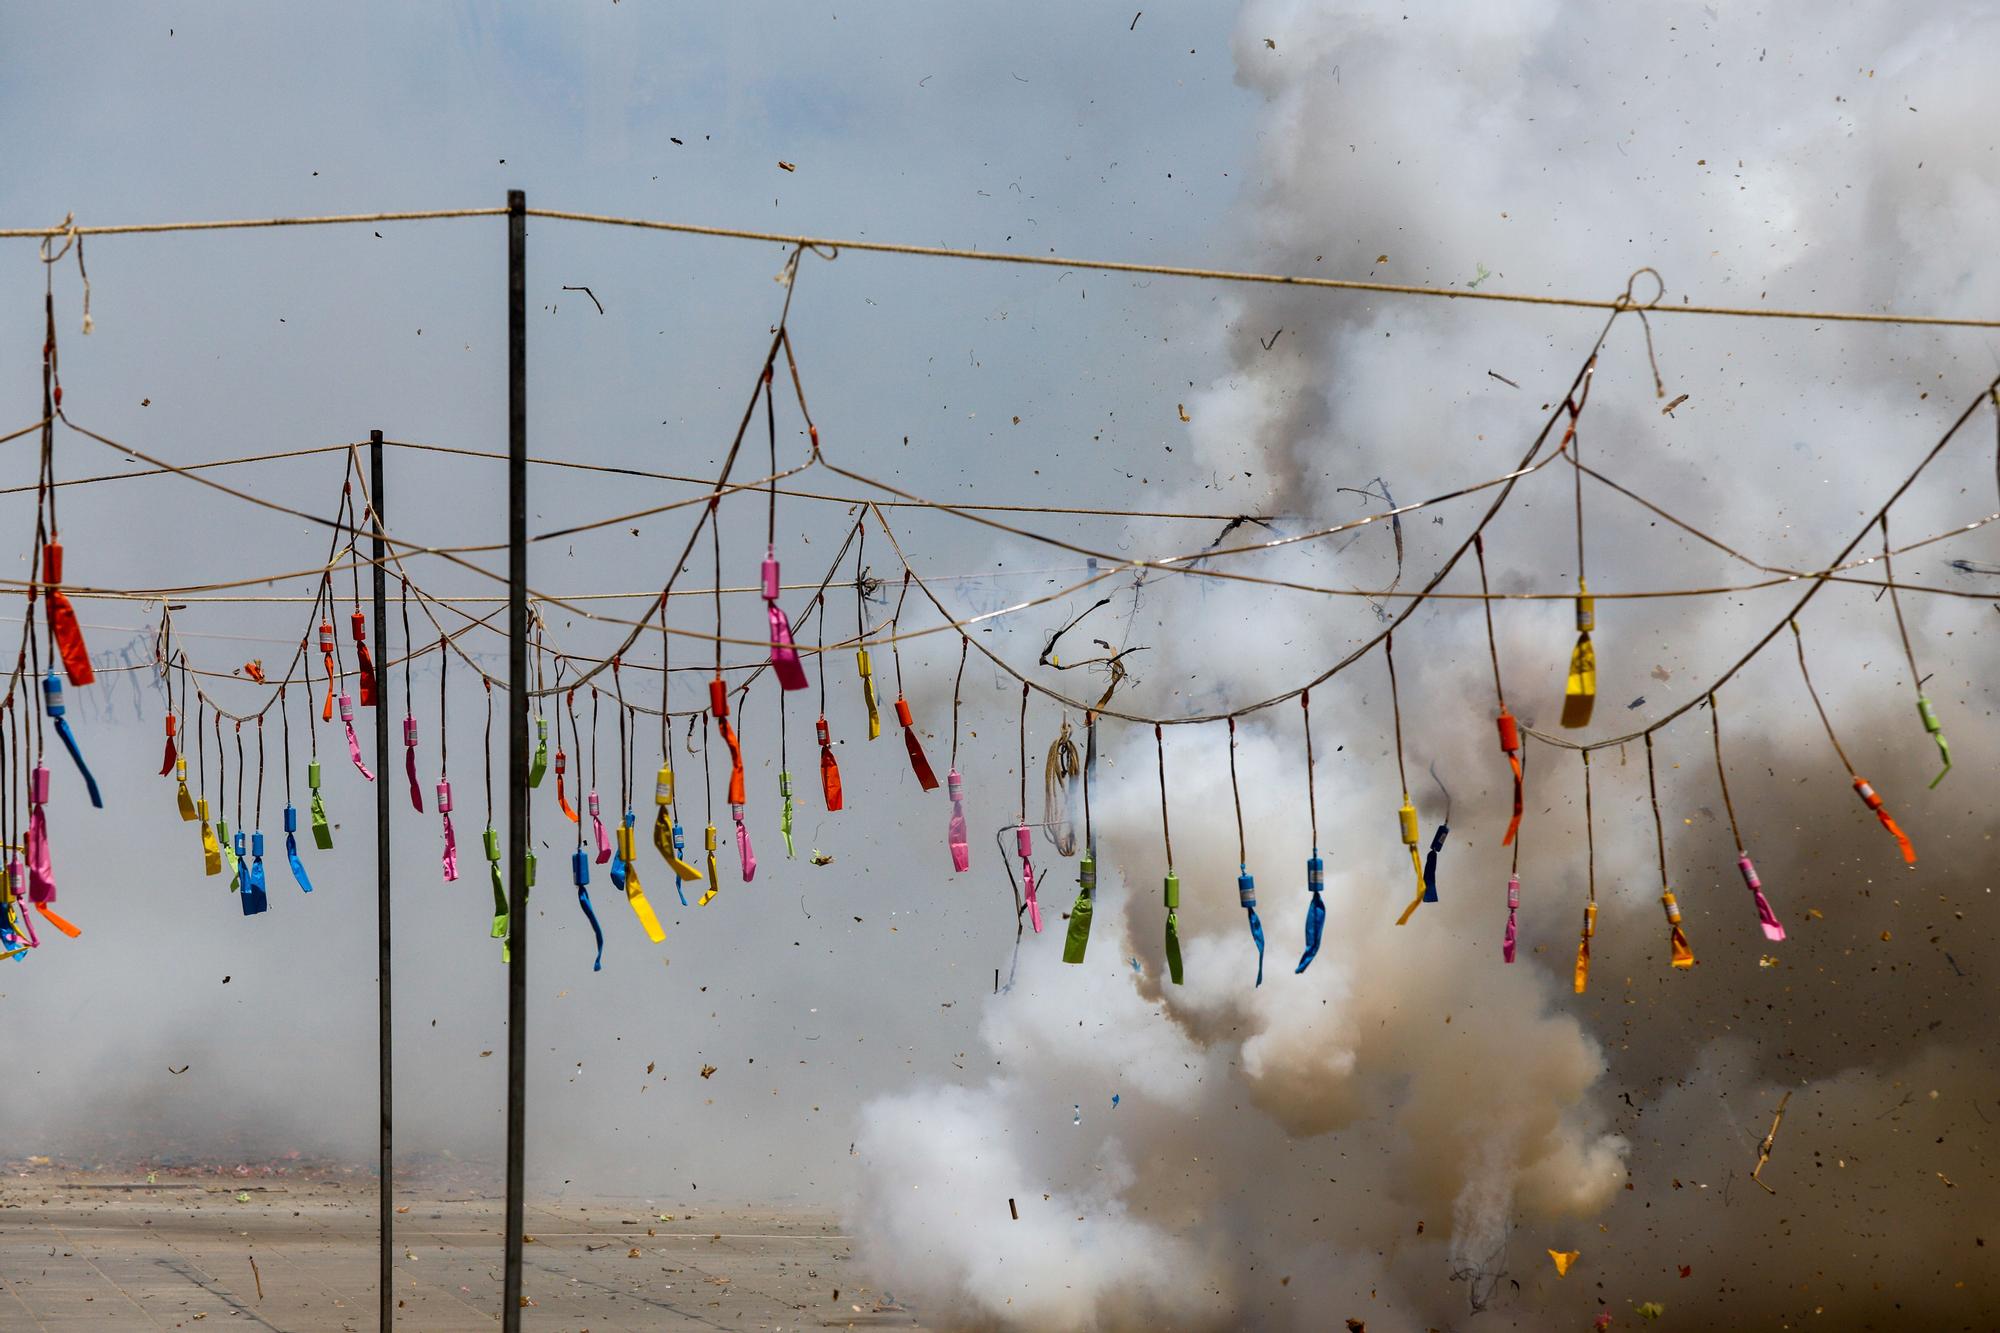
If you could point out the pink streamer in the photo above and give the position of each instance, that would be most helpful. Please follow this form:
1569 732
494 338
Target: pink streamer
744 854
17 875
784 655
353 743
1765 916
450 850
410 763
961 850
597 824
1024 842
1513 904
41 869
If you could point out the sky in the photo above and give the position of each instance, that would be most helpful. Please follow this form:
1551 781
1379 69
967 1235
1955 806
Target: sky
1464 1115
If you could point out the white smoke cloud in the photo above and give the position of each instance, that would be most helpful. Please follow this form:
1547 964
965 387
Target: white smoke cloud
1409 1111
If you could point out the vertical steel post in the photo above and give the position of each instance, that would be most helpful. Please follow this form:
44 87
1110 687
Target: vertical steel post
383 1039
517 745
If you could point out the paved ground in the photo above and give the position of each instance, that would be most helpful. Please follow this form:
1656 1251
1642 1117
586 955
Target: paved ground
92 1252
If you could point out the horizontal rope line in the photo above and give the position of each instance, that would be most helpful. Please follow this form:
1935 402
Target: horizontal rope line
1010 257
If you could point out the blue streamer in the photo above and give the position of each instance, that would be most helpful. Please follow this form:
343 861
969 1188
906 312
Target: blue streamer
292 848
1431 864
580 867
680 843
254 898
1246 893
52 700
1316 913
618 859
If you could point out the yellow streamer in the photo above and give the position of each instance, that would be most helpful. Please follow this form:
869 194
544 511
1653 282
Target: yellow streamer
635 893
868 693
211 853
714 878
1583 947
1407 816
1580 693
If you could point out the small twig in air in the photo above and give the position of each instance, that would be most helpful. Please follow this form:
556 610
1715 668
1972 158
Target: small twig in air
1503 379
592 295
1274 340
1135 22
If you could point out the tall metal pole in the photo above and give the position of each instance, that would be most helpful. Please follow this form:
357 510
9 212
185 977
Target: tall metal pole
388 1168
517 744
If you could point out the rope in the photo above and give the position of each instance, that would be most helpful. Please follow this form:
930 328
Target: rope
829 246
1486 602
1024 754
1589 832
1659 826
1889 574
1235 794
1166 829
1396 708
957 690
1825 721
241 224
1715 727
1312 799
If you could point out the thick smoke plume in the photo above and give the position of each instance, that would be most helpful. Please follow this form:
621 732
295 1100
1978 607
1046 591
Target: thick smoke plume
1398 1134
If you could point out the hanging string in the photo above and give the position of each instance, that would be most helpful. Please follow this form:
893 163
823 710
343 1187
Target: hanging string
576 739
957 693
1315 867
1246 884
1396 710
771 430
667 675
239 778
1078 938
1023 835
1590 870
1722 774
1172 892
1312 799
1024 757
1682 955
1580 689
715 541
489 754
1510 730
1509 938
1925 710
1825 721
862 663
708 793
1862 789
285 720
409 654
257 811
1235 794
444 733
1766 918
1406 815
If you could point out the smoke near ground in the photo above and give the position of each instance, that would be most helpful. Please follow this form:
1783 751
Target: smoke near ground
1399 1134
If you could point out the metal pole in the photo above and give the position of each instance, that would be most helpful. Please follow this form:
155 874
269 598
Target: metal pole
517 744
388 1168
